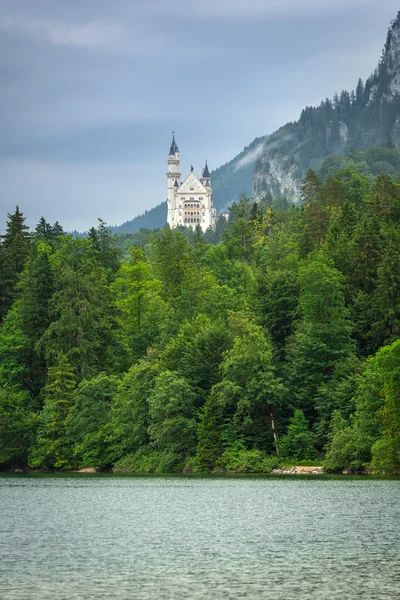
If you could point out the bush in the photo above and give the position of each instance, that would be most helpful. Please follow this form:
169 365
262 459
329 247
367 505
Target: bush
386 456
238 459
147 460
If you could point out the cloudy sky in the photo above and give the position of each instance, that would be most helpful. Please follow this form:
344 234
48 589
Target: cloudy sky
91 90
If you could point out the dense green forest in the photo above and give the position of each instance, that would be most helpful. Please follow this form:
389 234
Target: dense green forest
271 340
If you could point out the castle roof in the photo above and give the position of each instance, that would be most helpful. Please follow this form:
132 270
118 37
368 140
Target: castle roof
193 184
174 146
206 172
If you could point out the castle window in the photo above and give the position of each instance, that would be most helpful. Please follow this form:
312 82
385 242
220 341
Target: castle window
192 189
191 199
201 198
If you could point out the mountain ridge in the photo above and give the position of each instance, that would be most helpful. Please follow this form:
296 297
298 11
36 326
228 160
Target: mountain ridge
363 118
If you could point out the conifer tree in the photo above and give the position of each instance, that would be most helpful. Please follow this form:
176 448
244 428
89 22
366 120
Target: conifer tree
54 447
322 338
14 251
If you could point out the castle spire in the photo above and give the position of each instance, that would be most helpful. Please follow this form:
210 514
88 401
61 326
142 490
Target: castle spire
206 172
174 146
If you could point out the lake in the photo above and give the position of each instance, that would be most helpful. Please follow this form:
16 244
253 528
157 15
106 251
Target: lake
105 536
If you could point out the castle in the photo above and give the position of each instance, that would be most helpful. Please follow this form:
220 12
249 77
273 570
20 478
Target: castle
190 203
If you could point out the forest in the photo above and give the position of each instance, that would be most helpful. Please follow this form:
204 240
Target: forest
272 340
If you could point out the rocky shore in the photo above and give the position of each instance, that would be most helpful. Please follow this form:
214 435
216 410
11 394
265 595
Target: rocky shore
298 471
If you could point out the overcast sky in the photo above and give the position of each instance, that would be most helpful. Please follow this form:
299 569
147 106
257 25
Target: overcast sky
91 90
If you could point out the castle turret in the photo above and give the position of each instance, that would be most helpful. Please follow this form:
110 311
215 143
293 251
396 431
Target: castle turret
205 178
173 176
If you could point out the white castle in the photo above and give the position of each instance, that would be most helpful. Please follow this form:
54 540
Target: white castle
190 203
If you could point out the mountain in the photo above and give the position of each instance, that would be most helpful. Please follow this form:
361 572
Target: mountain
228 182
357 120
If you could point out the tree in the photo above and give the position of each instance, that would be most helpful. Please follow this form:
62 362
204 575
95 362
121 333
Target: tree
196 353
241 234
141 309
14 347
384 196
35 289
18 423
386 450
216 429
310 187
249 366
173 427
105 246
54 447
82 327
130 416
277 298
14 252
171 258
298 443
385 304
322 338
88 420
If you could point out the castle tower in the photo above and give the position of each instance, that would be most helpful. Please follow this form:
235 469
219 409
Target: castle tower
205 178
173 176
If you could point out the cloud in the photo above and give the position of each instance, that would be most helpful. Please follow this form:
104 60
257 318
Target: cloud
91 34
211 10
249 157
259 8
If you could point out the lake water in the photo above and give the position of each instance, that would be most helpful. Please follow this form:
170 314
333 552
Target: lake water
93 537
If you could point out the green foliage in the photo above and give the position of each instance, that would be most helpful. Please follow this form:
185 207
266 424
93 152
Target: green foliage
272 340
14 250
299 441
322 338
171 408
140 307
240 460
148 460
130 417
88 419
18 423
53 447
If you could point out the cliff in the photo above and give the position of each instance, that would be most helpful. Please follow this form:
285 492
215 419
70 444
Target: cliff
365 117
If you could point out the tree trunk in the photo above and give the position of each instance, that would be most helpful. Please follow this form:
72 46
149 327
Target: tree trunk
271 414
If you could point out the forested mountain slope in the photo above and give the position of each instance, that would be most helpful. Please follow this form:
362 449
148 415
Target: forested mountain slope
362 118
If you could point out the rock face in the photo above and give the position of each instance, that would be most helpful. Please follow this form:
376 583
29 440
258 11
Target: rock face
360 119
391 56
298 470
88 470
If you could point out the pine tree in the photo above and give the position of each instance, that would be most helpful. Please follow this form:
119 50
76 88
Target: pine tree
54 447
298 443
14 252
36 289
322 338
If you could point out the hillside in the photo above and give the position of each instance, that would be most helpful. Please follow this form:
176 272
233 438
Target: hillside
279 343
228 182
360 119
